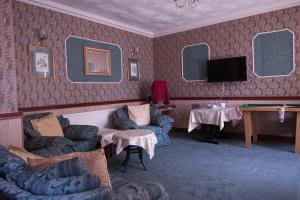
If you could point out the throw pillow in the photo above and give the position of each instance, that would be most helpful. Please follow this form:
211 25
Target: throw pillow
47 126
22 153
139 114
95 161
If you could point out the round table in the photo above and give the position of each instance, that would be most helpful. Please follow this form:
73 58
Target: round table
132 141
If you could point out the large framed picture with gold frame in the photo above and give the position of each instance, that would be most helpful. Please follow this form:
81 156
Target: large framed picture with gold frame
97 62
41 62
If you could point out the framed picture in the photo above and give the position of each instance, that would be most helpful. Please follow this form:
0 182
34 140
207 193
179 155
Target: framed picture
134 71
97 62
41 62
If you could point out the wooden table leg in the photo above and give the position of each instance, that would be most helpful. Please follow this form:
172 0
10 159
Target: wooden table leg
248 128
255 125
297 142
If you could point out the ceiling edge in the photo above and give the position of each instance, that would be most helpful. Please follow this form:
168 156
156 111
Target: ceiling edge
224 19
48 4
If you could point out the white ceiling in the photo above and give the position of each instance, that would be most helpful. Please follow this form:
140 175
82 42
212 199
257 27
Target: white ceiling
160 17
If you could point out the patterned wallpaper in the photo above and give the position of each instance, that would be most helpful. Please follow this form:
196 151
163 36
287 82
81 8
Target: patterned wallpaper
8 87
58 91
228 39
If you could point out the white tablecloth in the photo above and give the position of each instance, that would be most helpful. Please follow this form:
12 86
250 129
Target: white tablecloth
214 116
123 138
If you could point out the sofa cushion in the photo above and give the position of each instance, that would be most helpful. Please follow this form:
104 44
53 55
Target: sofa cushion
124 124
9 162
43 142
22 153
64 122
139 114
28 130
66 177
81 132
95 161
47 126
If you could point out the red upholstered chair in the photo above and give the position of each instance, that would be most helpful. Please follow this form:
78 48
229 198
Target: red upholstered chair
160 96
159 91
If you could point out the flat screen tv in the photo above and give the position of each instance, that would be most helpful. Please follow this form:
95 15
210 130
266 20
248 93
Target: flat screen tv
227 69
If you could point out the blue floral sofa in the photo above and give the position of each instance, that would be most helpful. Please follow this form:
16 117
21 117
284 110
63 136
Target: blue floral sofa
76 138
66 180
160 124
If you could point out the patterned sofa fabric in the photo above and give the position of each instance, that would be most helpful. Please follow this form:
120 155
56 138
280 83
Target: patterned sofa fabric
66 180
77 138
160 124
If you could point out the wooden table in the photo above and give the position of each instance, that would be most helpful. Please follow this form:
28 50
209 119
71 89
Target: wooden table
248 111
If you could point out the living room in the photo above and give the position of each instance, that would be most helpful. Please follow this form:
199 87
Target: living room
165 48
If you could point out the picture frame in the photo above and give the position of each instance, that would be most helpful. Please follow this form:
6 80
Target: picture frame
97 62
40 62
134 71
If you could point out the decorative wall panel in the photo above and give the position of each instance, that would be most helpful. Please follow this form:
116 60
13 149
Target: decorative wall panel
273 53
229 39
59 91
194 62
75 60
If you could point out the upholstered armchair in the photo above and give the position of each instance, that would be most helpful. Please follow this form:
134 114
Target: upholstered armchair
160 124
76 138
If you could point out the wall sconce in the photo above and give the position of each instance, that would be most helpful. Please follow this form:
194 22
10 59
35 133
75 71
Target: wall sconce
134 51
42 35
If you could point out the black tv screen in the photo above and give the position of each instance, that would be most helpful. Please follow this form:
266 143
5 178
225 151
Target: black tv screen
226 70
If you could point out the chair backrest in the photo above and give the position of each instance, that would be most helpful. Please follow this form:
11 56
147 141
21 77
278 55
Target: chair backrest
159 91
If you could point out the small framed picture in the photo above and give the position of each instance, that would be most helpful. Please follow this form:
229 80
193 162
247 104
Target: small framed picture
97 62
41 62
134 71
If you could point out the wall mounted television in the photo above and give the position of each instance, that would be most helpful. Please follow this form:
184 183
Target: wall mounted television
227 69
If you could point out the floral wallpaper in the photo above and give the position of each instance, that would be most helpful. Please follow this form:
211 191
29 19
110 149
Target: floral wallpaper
229 39
8 87
43 92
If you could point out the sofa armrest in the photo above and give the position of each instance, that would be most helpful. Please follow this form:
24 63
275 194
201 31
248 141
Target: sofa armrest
161 120
81 132
45 141
124 124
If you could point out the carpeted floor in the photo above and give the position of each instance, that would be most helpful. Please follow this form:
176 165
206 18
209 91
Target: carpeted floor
191 170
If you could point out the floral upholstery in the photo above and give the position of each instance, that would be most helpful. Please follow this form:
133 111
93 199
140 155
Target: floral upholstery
77 138
160 124
66 180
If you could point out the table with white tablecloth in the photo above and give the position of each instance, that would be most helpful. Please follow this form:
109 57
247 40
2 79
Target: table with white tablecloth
214 116
132 141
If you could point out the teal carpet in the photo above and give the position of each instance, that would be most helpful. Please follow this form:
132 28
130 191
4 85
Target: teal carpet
191 170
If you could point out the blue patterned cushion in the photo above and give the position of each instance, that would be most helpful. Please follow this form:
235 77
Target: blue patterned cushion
161 120
84 145
66 177
81 132
64 122
154 111
43 142
10 163
124 124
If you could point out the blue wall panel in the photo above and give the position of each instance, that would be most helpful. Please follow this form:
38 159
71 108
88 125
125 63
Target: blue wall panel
75 65
273 53
194 62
